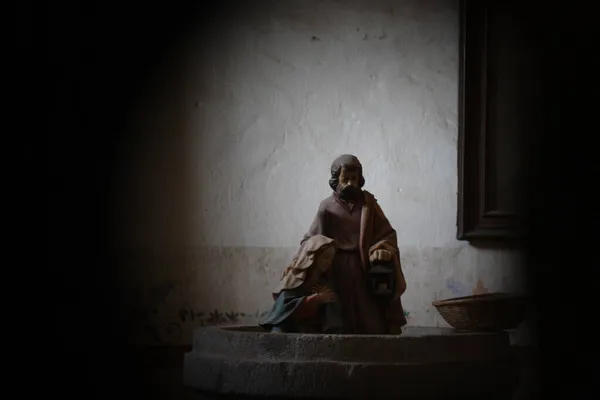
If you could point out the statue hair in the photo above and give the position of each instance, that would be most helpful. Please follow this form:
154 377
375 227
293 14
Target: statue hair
346 161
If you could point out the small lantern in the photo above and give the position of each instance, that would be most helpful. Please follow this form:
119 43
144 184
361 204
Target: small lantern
382 281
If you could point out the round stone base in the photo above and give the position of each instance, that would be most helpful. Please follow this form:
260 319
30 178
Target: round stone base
420 363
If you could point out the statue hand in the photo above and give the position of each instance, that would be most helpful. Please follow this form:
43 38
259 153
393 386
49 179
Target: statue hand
326 295
381 255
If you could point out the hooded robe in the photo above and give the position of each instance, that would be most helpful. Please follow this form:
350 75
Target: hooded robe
296 308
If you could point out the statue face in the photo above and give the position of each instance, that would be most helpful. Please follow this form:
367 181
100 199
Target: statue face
349 183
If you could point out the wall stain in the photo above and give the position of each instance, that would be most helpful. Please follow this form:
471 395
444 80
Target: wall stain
480 288
216 317
158 293
170 333
457 288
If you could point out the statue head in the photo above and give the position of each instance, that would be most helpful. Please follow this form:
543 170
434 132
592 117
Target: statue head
347 179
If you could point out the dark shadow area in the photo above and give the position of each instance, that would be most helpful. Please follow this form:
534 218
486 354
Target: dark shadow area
562 205
90 61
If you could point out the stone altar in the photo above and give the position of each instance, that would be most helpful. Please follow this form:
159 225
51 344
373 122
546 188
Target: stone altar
433 363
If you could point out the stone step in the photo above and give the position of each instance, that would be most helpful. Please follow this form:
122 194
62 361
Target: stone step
415 345
336 379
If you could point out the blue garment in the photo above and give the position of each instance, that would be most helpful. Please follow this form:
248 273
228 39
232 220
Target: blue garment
278 319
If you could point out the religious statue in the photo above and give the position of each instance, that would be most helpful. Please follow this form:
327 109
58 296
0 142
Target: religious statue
304 301
364 239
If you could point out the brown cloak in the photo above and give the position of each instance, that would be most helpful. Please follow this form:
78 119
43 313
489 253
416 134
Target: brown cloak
360 231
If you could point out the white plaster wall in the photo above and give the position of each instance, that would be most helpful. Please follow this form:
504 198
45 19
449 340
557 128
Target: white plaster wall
236 134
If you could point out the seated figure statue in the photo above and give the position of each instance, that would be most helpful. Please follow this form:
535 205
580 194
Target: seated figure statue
304 301
364 239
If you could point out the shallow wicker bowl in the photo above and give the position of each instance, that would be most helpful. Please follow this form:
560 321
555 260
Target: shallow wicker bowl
483 312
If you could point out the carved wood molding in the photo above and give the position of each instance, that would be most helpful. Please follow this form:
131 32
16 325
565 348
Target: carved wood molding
479 215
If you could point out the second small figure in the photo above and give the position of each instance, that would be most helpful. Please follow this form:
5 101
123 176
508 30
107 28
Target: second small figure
304 301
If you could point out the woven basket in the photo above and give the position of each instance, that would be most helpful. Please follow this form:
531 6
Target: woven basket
483 312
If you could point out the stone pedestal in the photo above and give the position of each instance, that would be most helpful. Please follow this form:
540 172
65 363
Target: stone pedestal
420 363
